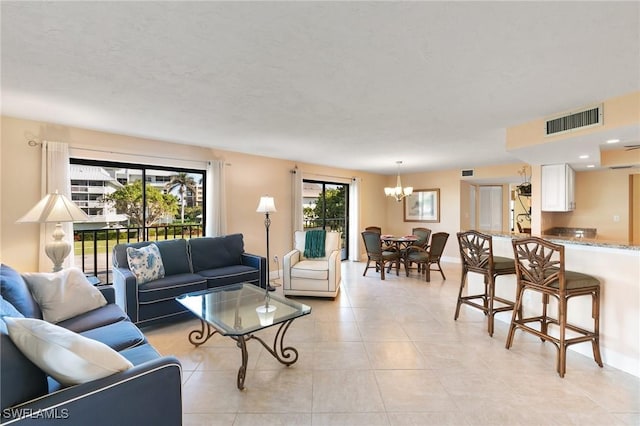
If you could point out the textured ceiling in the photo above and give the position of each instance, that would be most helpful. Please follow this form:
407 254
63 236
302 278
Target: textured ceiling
355 85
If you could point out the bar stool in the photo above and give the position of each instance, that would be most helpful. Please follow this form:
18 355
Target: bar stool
476 252
540 267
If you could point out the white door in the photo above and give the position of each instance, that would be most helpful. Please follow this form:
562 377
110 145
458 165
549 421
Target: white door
490 208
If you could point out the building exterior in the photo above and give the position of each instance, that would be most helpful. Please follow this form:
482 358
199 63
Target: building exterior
89 186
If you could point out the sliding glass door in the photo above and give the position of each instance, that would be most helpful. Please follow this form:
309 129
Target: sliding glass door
326 206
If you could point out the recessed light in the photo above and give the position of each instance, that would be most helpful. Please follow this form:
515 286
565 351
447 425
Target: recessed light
582 157
613 141
590 166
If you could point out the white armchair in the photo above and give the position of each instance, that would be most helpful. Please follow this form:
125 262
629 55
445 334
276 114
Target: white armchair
313 276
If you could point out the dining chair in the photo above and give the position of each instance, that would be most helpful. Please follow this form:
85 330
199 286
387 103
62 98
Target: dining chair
476 253
375 253
378 229
540 268
423 235
425 257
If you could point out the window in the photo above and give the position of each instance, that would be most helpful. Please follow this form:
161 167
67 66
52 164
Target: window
122 209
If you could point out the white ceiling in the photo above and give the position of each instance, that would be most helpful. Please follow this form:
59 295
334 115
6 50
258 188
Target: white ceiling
355 85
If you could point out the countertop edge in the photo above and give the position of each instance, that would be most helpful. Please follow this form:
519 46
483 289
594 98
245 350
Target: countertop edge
569 240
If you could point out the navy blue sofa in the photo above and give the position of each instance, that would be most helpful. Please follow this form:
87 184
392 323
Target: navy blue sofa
28 396
190 265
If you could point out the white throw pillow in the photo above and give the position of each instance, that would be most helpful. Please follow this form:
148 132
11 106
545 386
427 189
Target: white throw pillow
64 294
145 263
66 356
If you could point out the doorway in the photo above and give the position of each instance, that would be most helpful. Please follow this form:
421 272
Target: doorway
325 205
490 207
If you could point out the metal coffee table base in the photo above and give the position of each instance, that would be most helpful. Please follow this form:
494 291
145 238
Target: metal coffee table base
285 355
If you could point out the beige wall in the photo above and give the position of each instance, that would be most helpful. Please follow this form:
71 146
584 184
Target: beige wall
20 175
618 112
448 181
620 157
247 178
600 195
465 206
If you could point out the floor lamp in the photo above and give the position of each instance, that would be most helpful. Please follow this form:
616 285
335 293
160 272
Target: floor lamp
266 312
55 208
266 206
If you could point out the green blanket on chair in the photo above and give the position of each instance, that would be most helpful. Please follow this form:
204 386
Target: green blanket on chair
314 243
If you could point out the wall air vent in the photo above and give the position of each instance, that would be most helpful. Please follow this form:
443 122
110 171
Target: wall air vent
574 120
467 173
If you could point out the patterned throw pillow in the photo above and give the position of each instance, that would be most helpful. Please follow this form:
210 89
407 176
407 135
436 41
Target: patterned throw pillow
145 263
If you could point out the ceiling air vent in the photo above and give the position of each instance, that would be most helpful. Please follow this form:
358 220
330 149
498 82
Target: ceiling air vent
467 172
588 117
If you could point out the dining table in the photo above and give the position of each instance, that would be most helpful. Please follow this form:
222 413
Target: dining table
399 242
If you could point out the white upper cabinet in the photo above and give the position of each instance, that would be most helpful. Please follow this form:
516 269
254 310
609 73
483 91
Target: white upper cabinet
558 188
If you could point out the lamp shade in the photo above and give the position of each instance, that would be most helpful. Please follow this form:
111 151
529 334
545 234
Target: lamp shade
54 208
266 205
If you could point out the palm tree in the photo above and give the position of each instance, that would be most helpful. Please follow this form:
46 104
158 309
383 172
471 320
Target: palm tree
182 181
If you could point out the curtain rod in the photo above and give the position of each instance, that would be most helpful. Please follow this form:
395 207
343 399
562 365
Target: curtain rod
33 143
323 176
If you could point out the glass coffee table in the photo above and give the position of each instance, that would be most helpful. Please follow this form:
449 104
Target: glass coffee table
238 311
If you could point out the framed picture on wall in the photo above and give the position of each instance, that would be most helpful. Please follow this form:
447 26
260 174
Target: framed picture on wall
422 206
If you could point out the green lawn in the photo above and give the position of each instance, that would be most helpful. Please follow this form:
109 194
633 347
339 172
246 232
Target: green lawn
102 245
88 247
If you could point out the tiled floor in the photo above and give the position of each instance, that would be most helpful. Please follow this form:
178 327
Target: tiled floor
389 353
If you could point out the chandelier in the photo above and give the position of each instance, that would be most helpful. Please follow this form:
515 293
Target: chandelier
398 192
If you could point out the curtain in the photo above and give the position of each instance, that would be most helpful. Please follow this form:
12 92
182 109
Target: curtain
297 219
55 177
216 216
354 219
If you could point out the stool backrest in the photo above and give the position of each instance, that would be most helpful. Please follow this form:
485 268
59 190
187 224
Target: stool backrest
476 251
539 263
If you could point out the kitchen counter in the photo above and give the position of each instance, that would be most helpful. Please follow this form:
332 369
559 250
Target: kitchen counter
617 266
593 242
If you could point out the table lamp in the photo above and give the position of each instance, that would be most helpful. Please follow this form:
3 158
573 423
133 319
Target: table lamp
55 208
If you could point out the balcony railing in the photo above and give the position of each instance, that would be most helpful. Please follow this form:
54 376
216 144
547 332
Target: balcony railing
93 247
330 224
